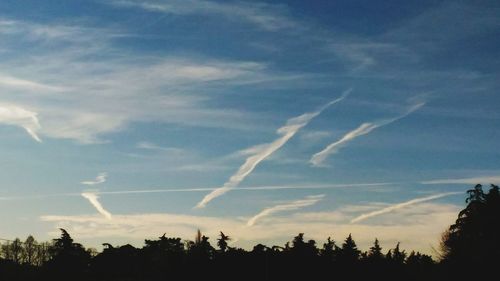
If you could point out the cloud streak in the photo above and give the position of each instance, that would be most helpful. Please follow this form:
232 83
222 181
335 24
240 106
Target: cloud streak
101 178
473 180
420 228
87 101
204 189
364 129
21 117
290 206
402 205
292 126
14 82
249 188
151 146
267 17
93 199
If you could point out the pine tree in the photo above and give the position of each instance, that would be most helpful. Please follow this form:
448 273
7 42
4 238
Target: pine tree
349 251
375 251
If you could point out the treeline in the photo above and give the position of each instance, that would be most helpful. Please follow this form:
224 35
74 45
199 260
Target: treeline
172 257
470 247
28 252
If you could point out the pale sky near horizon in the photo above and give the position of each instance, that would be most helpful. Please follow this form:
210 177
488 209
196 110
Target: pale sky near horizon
121 120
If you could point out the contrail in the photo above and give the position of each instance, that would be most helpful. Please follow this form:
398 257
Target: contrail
292 126
256 188
101 177
365 128
92 197
290 206
396 207
204 189
18 116
473 180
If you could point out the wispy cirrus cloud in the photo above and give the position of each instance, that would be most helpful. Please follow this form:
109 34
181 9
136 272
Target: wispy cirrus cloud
51 33
261 152
266 16
21 117
93 199
364 129
101 178
86 101
152 146
402 205
417 226
9 82
471 180
376 187
289 206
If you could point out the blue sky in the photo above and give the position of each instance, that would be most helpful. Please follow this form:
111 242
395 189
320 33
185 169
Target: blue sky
260 119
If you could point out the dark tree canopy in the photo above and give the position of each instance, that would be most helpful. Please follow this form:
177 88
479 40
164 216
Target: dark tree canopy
222 241
470 248
474 238
375 252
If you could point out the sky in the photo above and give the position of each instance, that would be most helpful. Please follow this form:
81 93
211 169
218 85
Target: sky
121 120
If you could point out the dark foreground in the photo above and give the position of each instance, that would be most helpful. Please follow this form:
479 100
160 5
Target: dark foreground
470 249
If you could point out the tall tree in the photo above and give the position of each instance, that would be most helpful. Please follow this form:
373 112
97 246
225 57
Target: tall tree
67 256
29 253
474 235
222 242
375 252
6 251
329 250
16 250
398 256
349 252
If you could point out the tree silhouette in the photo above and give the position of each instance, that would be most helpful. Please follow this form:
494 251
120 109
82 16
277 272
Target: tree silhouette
473 240
349 252
29 253
222 242
16 250
375 252
200 255
165 257
329 251
67 257
470 250
398 256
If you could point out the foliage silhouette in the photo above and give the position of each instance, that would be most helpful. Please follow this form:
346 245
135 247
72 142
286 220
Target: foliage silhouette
222 242
470 248
474 239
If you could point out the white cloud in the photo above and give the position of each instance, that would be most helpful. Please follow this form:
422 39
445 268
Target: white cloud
101 178
318 158
83 95
402 205
289 206
265 16
151 146
261 152
364 129
9 82
18 116
53 34
359 55
375 187
418 227
472 180
313 136
252 150
93 199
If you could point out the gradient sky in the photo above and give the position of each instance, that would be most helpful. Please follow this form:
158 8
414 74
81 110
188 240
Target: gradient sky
323 117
